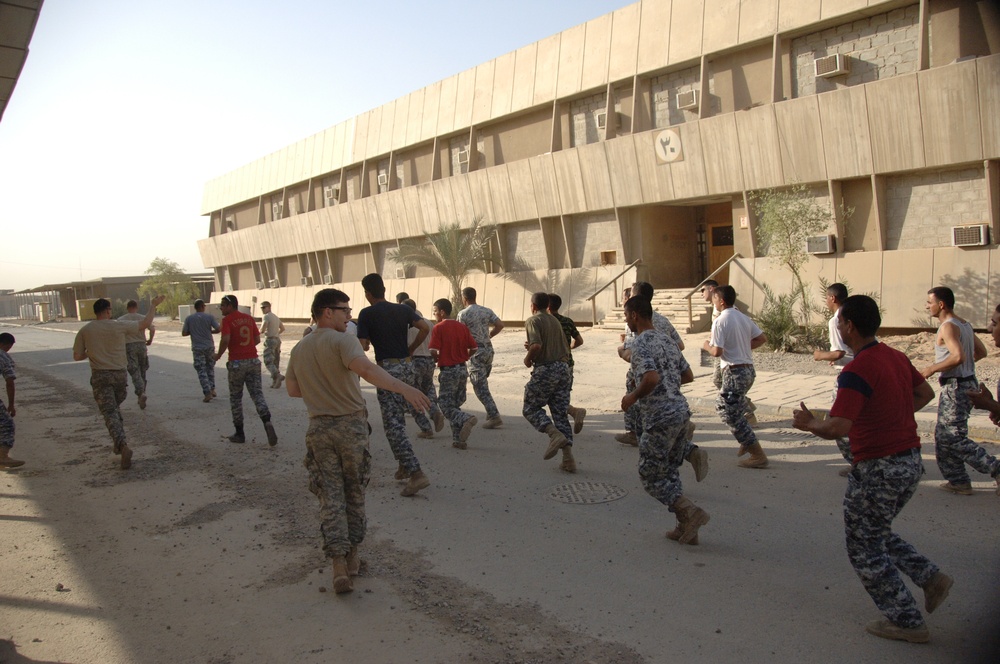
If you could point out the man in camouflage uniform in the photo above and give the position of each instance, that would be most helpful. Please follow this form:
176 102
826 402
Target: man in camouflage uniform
384 326
575 340
241 337
549 384
423 376
271 328
877 395
484 325
102 342
135 351
660 370
321 370
7 412
956 351
200 326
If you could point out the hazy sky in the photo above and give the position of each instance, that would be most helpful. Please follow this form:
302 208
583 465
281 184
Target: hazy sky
125 108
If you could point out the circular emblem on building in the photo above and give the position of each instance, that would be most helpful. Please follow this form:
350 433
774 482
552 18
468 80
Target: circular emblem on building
668 146
586 493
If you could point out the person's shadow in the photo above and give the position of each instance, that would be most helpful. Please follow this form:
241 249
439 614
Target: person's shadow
8 655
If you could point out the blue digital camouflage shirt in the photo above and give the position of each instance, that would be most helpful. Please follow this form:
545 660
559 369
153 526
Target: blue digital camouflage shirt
665 406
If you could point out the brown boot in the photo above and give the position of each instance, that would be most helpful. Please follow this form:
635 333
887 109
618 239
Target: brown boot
556 442
6 461
416 482
353 561
568 462
578 415
693 518
678 530
627 438
402 473
341 577
699 461
757 457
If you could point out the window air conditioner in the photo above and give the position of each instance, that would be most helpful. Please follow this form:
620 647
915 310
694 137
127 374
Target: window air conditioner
602 120
463 156
687 100
832 65
274 283
821 244
328 279
276 210
331 193
383 180
976 235
400 273
259 285
306 281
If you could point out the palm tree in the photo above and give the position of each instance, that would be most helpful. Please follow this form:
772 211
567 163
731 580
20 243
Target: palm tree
453 252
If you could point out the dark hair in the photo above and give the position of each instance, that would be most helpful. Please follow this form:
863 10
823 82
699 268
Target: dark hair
944 295
643 289
328 297
727 293
642 307
710 282
408 302
540 300
231 301
469 293
101 305
131 303
373 285
838 291
6 338
199 305
401 298
444 304
863 313
265 303
554 302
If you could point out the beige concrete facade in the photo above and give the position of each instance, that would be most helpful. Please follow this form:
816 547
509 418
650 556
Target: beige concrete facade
637 136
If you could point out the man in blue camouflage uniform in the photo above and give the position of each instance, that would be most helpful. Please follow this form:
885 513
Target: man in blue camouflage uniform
384 326
878 392
982 397
135 351
661 370
200 326
484 325
7 412
956 351
423 376
575 340
549 384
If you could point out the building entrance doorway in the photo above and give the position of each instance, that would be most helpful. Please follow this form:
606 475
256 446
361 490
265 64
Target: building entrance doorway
718 238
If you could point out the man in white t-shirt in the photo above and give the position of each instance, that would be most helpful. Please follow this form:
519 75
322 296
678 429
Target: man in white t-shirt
733 338
839 354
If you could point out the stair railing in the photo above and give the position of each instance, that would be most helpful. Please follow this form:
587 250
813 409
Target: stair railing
614 280
717 271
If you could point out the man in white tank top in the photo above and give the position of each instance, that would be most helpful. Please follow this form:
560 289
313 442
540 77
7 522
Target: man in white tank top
956 351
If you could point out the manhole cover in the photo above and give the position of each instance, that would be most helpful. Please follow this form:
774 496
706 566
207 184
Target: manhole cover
794 434
586 493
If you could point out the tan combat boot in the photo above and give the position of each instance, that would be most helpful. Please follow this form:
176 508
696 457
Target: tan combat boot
341 577
568 462
693 518
678 530
556 441
353 561
757 457
416 482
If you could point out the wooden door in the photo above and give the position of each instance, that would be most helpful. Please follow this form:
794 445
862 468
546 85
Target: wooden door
719 231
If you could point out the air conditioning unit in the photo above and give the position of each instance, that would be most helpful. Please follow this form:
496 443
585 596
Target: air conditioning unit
832 65
231 223
400 273
259 284
821 244
276 210
331 193
463 156
306 281
602 120
975 235
687 100
383 180
328 279
274 283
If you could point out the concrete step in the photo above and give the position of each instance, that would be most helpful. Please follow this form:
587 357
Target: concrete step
672 304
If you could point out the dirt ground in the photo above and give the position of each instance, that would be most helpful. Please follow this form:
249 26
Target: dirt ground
208 552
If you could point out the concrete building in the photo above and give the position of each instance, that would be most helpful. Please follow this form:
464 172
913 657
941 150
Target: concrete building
638 136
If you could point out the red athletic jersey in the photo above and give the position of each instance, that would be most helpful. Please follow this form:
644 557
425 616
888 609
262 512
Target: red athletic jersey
875 392
452 341
243 335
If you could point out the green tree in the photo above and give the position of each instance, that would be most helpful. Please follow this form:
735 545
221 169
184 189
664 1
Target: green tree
453 252
167 278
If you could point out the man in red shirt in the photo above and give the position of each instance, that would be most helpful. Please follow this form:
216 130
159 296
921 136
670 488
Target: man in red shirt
877 394
451 345
241 337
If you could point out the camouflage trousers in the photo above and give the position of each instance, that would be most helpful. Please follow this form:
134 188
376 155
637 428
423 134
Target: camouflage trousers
110 389
633 416
952 445
452 395
393 407
877 490
423 380
6 428
661 454
731 404
138 363
272 356
548 386
339 467
204 364
480 367
246 372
